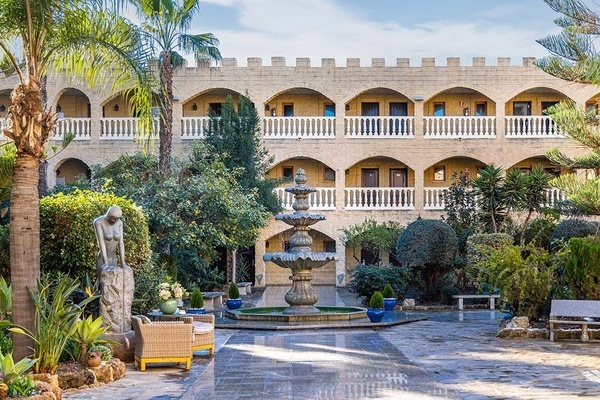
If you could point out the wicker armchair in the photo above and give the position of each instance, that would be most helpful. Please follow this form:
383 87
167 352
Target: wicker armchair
204 332
161 342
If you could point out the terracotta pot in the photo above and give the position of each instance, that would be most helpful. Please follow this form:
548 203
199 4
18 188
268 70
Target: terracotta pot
94 360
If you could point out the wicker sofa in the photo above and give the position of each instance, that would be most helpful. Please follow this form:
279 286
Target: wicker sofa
163 341
204 332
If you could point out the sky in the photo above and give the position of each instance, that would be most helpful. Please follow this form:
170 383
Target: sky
368 29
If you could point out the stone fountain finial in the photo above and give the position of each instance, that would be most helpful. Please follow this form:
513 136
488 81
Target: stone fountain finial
300 259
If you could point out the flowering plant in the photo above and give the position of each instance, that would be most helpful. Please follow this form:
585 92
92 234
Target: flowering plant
167 290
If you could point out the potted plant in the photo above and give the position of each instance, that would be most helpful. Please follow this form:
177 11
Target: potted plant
170 295
196 303
375 311
389 297
234 301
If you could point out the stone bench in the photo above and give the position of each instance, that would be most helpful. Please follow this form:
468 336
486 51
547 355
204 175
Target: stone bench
212 300
491 297
578 312
245 287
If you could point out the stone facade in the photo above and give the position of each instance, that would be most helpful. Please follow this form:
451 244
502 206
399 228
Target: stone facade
402 129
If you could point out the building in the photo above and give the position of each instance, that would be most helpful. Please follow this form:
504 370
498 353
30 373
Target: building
378 142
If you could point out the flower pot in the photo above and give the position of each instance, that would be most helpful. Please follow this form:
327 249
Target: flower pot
234 304
389 303
196 311
94 360
375 314
168 306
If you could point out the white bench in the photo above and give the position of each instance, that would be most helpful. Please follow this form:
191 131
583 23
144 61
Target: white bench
212 300
491 297
585 311
245 287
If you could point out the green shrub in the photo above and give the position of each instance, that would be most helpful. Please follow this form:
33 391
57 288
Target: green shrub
428 247
146 281
234 292
367 278
376 300
525 277
13 375
68 240
479 248
388 292
570 228
196 299
582 269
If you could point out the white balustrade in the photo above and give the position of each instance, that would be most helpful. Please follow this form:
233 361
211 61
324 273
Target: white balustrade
532 126
299 127
433 198
554 196
194 127
380 198
123 128
459 127
81 127
380 127
322 199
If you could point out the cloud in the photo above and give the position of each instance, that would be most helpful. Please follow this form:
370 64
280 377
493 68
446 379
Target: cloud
325 29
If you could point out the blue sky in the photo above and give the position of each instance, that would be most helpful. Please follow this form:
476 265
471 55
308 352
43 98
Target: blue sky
387 29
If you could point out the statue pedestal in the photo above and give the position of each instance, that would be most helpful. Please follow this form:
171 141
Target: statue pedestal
116 298
125 347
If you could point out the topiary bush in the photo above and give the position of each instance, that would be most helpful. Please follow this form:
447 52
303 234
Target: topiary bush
196 299
582 270
428 247
388 292
234 292
68 240
570 228
376 300
367 278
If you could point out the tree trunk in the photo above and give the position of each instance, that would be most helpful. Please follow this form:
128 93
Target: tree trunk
166 115
24 247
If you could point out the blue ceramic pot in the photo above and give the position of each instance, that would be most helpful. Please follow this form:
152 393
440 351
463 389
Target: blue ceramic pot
196 311
234 304
389 303
375 314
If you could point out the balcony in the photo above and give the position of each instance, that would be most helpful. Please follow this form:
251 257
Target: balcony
380 198
379 127
81 127
123 128
322 199
433 198
299 127
541 127
194 127
459 127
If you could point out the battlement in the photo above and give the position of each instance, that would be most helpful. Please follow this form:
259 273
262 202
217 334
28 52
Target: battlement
426 62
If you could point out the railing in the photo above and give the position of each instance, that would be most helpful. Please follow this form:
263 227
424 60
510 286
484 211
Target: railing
81 127
554 196
532 127
322 199
379 127
299 127
433 198
194 127
459 127
123 128
380 198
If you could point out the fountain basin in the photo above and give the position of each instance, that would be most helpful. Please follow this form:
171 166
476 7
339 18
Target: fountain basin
277 314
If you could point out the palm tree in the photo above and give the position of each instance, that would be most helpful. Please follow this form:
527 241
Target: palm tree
487 189
81 38
165 23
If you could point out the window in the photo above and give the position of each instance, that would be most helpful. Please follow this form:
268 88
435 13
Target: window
439 109
329 246
591 107
439 173
480 109
288 110
215 107
329 174
288 173
330 110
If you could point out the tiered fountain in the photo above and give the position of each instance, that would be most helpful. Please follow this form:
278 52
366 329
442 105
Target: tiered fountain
301 260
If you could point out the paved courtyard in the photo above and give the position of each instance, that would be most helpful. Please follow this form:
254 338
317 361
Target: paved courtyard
452 355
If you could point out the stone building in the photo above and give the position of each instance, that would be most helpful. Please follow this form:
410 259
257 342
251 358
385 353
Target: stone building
378 142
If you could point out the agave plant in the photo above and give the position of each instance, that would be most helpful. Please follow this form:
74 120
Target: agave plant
89 331
13 375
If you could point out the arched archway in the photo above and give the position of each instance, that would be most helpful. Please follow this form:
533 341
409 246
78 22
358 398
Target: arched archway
71 170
